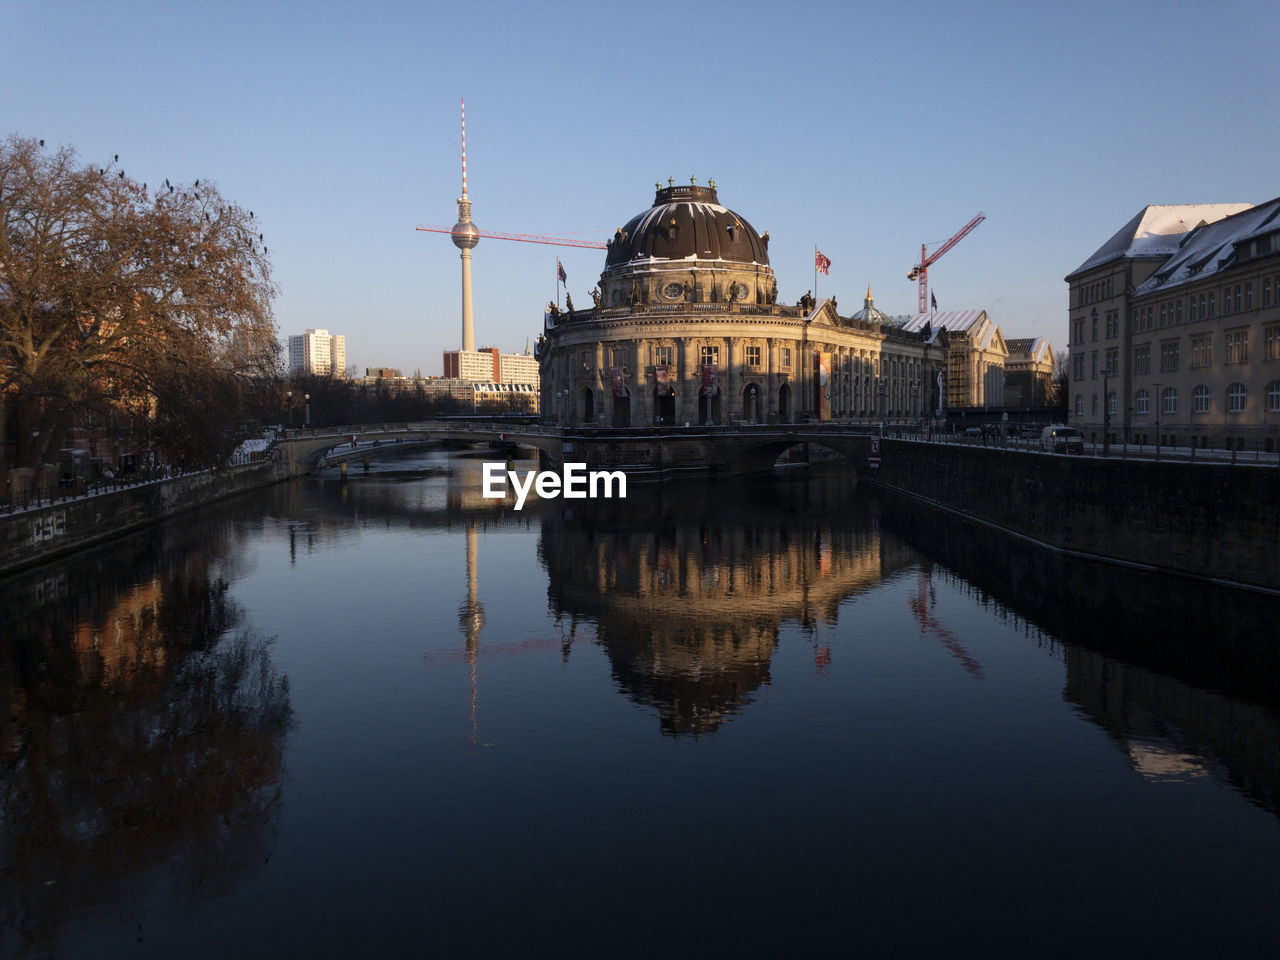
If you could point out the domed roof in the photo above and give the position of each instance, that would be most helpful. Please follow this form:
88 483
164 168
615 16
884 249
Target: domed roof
870 313
687 222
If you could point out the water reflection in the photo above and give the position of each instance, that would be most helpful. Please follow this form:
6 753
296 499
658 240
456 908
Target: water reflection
144 734
1184 676
688 586
900 676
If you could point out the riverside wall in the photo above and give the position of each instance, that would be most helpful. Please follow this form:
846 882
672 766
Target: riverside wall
1215 521
32 536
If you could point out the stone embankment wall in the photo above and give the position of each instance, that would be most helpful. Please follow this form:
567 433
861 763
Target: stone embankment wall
31 536
1208 520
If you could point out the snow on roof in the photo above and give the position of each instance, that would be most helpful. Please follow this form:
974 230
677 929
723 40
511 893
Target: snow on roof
954 320
1156 231
1213 247
1029 348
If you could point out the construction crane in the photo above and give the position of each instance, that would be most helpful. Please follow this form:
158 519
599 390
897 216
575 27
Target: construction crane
525 238
921 269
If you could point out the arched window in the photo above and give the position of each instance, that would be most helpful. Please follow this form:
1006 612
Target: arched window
1169 400
1200 399
1237 398
1142 402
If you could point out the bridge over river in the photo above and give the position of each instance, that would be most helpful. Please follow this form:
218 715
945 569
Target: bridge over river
638 451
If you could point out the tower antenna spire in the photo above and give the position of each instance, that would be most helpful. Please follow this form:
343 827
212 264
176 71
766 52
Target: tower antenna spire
464 147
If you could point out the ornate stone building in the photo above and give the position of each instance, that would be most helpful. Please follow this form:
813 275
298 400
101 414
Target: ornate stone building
976 356
686 328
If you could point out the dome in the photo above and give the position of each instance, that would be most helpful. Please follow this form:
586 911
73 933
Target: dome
870 313
687 223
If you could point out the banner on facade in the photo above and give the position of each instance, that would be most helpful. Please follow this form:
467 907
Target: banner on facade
619 382
824 386
662 376
710 380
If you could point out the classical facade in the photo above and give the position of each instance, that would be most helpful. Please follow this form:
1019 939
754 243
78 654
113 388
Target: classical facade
1028 373
687 329
976 356
1175 329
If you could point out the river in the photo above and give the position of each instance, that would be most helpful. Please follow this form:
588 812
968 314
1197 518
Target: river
782 717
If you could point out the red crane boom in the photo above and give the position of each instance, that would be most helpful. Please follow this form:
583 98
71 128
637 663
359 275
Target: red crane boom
921 269
526 238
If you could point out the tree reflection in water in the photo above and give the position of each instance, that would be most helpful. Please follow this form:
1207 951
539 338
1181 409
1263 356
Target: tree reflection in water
142 737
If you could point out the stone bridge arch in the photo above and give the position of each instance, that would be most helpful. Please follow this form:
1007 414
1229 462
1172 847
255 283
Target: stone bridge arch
760 454
303 453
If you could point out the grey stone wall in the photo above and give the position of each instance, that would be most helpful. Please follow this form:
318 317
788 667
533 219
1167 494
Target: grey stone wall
30 537
1209 520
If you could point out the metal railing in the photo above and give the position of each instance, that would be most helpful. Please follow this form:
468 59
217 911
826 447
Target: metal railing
43 491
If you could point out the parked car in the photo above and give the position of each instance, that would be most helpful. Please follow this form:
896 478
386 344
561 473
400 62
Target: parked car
1056 438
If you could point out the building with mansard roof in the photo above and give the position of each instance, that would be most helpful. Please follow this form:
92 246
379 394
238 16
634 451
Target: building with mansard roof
687 327
1175 329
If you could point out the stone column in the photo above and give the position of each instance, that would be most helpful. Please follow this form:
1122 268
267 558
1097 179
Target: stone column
639 388
731 404
600 379
769 402
686 386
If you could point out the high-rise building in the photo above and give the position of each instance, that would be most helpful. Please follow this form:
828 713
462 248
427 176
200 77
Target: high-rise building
317 353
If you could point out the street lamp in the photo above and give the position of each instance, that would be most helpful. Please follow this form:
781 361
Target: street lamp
1159 404
307 409
1107 373
288 399
755 413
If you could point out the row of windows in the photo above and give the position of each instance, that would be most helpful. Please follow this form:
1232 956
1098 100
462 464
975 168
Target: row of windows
707 353
1236 351
1091 293
1237 397
1112 320
1236 298
710 353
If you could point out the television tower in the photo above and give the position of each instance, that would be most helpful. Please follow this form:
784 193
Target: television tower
465 236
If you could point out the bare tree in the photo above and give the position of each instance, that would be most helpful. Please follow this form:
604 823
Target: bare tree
1056 395
142 308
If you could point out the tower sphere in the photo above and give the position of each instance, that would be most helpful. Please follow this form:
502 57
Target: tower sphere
465 235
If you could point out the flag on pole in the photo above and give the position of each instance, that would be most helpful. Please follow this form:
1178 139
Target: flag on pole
821 263
560 274
933 300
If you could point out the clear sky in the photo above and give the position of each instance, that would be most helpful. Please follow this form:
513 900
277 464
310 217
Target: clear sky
862 129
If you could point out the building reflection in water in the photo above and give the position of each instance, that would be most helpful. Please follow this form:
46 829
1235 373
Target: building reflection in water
688 586
143 734
1184 676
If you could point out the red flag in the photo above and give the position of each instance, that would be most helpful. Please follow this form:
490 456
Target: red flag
560 274
933 300
821 263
